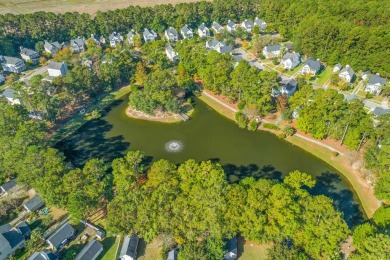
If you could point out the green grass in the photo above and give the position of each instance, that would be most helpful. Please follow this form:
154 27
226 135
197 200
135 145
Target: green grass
253 251
295 70
324 76
218 107
110 245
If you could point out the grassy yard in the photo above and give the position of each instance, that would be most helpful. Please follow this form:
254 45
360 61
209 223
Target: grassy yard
110 245
295 70
82 6
252 251
324 76
218 107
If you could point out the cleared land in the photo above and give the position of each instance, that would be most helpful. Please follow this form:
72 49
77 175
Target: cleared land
82 6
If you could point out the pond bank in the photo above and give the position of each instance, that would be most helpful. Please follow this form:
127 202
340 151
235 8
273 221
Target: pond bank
162 117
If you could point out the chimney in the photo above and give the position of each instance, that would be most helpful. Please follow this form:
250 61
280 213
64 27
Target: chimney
378 74
347 66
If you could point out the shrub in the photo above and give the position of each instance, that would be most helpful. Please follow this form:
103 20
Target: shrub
335 154
252 126
369 95
282 136
241 119
241 105
275 61
288 130
271 126
287 115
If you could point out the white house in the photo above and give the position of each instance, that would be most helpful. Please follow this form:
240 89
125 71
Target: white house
247 25
129 248
260 23
130 37
290 60
56 69
12 64
312 67
115 38
337 67
366 75
29 55
11 239
217 27
272 51
347 74
186 32
171 54
77 45
53 47
231 27
375 84
9 94
203 31
218 46
289 87
171 34
149 35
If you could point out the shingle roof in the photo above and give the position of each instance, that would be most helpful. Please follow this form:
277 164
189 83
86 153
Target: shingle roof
55 65
148 33
34 202
43 256
202 27
231 24
225 49
23 227
216 26
10 60
185 29
8 93
313 64
290 55
60 235
8 185
27 51
348 70
172 30
172 255
275 47
376 79
259 22
378 111
213 43
114 35
248 23
79 41
90 251
129 247
12 238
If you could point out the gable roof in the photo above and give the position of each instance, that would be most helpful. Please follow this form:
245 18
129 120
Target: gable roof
276 47
216 26
149 33
130 34
78 41
378 111
291 84
10 60
202 27
9 238
172 30
290 56
376 79
55 65
214 42
231 24
28 52
259 22
348 70
90 251
60 235
225 49
338 66
8 93
44 255
129 247
33 203
186 29
247 23
8 185
23 228
313 64
114 35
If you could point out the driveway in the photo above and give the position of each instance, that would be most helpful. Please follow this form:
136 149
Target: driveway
37 71
244 55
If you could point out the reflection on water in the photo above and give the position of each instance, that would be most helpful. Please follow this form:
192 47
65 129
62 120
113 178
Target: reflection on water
207 136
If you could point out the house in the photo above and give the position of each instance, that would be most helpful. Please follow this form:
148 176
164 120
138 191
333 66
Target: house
7 187
95 39
53 47
77 45
186 32
12 64
34 204
312 67
115 38
375 84
23 229
149 35
130 37
171 34
218 46
102 40
378 111
129 248
56 69
44 255
29 55
9 94
347 74
231 27
349 97
217 27
289 87
231 247
337 67
61 236
91 251
171 54
247 25
289 47
260 23
2 78
87 63
224 49
290 60
10 241
172 255
272 51
203 31
366 75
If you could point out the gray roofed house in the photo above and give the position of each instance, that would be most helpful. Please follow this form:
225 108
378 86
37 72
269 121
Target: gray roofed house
272 51
172 255
149 35
29 55
224 49
53 47
56 69
350 97
260 23
129 248
312 66
130 37
378 111
366 74
186 32
61 236
247 25
77 45
34 204
347 74
203 31
289 87
217 27
44 255
91 251
375 84
214 43
231 247
171 54
12 64
290 60
23 229
10 241
9 94
115 38
289 46
7 186
337 67
230 26
95 39
171 34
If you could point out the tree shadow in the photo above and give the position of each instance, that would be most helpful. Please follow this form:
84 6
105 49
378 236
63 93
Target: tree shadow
236 173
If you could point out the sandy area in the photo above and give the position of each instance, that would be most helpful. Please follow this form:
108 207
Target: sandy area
159 117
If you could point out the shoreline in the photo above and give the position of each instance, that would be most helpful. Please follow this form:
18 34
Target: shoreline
364 193
163 118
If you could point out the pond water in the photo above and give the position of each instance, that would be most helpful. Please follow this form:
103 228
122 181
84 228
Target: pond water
208 136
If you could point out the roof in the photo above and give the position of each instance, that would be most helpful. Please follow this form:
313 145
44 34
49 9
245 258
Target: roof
130 245
376 79
378 111
169 48
8 93
27 51
90 251
130 34
55 65
34 202
185 29
290 55
10 60
289 46
44 255
8 185
348 70
79 41
216 26
247 23
313 64
291 84
225 49
259 21
338 65
367 72
275 47
231 247
213 43
172 255
114 35
148 33
202 27
24 228
60 235
172 30
231 24
10 237
349 97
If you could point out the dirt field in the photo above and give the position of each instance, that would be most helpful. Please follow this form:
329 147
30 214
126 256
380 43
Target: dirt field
82 6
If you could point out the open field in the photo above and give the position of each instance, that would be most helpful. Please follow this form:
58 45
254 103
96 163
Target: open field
82 6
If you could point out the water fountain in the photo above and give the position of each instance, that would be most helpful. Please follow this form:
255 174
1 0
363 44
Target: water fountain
174 146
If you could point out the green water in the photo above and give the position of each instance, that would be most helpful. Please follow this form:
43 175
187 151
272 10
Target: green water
208 136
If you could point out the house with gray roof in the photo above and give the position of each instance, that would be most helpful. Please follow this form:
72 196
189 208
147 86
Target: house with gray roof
10 241
172 255
375 84
29 55
171 54
43 255
23 229
9 94
34 204
218 46
337 67
347 74
366 75
349 97
130 37
129 248
247 25
56 69
7 187
290 60
115 38
203 31
232 249
272 51
312 66
77 45
53 47
217 27
231 27
149 35
61 236
260 23
12 64
91 251
289 87
171 34
186 32
378 111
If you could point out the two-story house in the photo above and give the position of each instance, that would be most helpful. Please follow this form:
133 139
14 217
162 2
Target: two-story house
259 22
218 46
231 27
114 39
272 51
149 35
77 45
247 25
171 34
53 47
375 84
347 74
171 54
311 66
290 60
203 31
29 55
217 27
186 32
130 37
12 64
56 69
11 239
9 94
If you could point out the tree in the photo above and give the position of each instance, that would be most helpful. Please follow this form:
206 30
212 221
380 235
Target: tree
241 119
63 55
140 74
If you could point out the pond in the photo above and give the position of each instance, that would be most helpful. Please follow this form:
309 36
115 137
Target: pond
208 136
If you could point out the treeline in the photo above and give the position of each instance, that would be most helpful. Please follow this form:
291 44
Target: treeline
350 32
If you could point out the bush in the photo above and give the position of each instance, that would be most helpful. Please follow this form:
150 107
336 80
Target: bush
252 126
288 130
369 95
282 136
287 115
241 105
271 126
275 61
241 119
335 154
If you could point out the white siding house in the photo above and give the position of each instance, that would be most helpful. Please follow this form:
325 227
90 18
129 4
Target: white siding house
203 31
312 67
290 60
272 51
186 32
347 74
375 84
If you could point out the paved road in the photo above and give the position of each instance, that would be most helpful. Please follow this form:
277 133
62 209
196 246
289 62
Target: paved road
37 71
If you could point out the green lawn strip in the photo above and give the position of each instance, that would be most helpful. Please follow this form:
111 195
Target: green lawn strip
324 76
253 251
110 245
295 70
218 107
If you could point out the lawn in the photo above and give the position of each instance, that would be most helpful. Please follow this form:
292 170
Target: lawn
251 251
110 246
82 6
218 107
295 70
324 76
